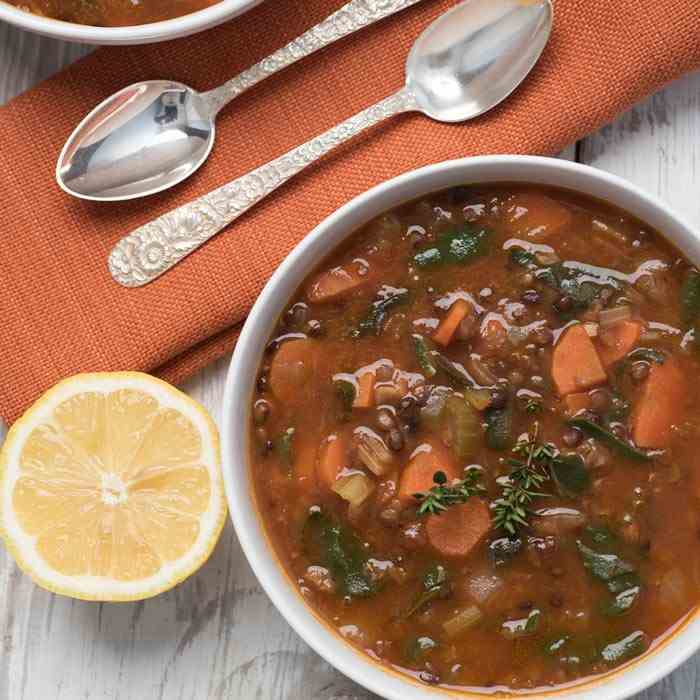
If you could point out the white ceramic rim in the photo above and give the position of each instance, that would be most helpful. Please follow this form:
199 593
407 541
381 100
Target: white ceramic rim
633 678
140 34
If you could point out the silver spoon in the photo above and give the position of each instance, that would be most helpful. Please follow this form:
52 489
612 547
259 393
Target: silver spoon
152 135
464 63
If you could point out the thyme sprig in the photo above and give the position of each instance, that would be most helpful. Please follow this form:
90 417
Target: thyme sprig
443 495
524 483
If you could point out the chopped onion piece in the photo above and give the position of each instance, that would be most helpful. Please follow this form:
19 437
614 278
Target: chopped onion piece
355 488
462 621
617 314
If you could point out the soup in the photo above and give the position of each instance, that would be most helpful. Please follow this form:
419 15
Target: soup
474 438
112 13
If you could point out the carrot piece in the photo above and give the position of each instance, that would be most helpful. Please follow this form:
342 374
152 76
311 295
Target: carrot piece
536 216
335 283
292 370
446 330
365 390
457 531
575 362
660 405
615 342
332 459
417 476
577 402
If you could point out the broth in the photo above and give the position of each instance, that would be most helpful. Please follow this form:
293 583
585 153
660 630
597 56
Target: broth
474 438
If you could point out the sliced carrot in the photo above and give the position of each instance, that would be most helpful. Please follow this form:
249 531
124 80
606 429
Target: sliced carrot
292 369
575 362
364 398
417 477
446 330
335 283
615 342
660 405
536 216
332 459
459 529
577 402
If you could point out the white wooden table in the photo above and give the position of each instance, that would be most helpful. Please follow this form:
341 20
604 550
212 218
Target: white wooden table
217 636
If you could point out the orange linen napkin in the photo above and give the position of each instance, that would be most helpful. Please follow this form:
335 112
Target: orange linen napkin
60 311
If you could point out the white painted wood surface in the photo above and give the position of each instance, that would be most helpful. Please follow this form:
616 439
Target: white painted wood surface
216 636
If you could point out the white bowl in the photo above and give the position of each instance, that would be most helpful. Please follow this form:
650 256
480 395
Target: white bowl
622 683
141 34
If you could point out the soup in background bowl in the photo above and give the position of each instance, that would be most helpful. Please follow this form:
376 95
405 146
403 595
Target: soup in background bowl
119 23
111 13
470 438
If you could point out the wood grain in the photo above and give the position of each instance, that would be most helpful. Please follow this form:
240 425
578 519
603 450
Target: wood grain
217 636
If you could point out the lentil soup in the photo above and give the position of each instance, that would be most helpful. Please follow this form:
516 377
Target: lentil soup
473 438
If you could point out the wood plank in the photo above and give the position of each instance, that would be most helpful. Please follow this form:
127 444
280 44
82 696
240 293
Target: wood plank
26 59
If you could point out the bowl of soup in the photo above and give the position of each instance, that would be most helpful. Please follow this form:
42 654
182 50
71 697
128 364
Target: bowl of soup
119 21
460 434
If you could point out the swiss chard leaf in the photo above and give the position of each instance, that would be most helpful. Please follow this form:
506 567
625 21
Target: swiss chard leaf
622 602
345 391
425 360
372 322
603 566
340 551
625 649
435 585
581 283
456 246
624 449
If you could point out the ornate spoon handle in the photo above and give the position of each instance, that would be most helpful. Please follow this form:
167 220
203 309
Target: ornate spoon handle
150 250
355 15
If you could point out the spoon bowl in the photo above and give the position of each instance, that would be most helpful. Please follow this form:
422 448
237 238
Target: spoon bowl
141 140
475 55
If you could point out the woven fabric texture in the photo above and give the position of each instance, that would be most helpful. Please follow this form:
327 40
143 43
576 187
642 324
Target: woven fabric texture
60 311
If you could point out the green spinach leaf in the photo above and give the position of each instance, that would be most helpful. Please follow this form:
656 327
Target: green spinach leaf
456 246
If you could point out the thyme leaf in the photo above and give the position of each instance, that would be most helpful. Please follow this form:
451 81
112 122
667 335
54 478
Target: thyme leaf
443 495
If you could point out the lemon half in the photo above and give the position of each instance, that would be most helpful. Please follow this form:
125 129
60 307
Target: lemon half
111 487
